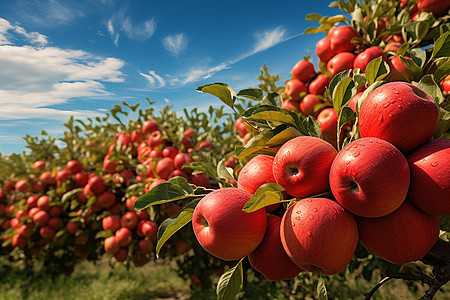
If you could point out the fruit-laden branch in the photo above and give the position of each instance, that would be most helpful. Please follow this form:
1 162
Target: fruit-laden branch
439 258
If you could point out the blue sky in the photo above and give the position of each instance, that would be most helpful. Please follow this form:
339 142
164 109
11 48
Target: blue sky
78 57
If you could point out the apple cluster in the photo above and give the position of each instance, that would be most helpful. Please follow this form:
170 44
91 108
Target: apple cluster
369 192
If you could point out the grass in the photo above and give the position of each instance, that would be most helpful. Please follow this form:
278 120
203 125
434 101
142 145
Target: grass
160 282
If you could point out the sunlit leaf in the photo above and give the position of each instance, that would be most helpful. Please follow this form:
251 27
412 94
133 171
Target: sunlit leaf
267 194
221 91
230 283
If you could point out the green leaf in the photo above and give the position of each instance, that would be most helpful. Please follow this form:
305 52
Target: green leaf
223 171
366 93
267 194
335 81
283 136
346 115
162 193
313 17
444 223
312 127
273 114
171 225
442 71
376 70
444 124
310 30
272 98
203 167
343 93
419 56
321 289
182 182
442 46
254 94
230 283
221 91
429 86
410 64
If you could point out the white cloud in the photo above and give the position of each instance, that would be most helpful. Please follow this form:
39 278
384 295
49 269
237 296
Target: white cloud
7 30
175 44
122 22
33 78
268 39
154 80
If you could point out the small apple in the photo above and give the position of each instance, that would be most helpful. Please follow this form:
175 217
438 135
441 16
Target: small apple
164 167
303 71
295 88
149 127
328 120
40 218
39 165
169 151
398 70
223 228
319 235
308 103
145 246
290 104
363 58
106 199
341 39
111 222
200 179
370 177
319 84
182 159
74 166
302 164
323 49
111 245
270 258
341 62
129 220
123 236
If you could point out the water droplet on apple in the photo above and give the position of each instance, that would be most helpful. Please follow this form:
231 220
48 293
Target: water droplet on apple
400 106
356 154
434 164
298 218
298 212
390 115
309 233
395 92
293 224
315 209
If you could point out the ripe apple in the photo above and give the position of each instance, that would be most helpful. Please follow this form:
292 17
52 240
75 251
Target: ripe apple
405 235
437 7
294 88
150 230
22 186
43 202
74 166
121 255
48 178
370 177
182 159
308 103
96 185
123 236
111 222
129 220
328 120
398 70
81 178
111 245
106 199
156 139
341 62
270 258
32 201
341 39
149 127
399 113
137 136
40 218
430 180
18 241
290 104
145 246
63 176
303 71
223 228
256 172
354 100
318 85
363 58
55 211
47 232
178 173
241 126
39 165
392 47
26 230
323 49
170 151
164 167
55 223
200 179
319 235
72 227
302 164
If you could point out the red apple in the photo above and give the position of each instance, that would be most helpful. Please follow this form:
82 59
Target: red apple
437 7
169 151
55 223
270 258
295 88
164 166
111 245
72 227
341 62
43 202
18 241
182 159
178 173
398 70
137 136
111 222
155 139
145 246
303 71
223 228
81 179
55 211
403 236
354 100
129 220
318 85
308 103
39 165
74 166
26 230
123 236
96 185
200 179
241 126
106 199
341 39
121 255
63 176
41 218
32 201
150 230
399 113
302 164
328 120
290 104
256 172
48 178
319 235
22 186
47 232
363 58
430 180
323 49
149 127
370 177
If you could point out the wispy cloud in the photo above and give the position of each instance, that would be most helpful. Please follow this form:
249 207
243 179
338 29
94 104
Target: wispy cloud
268 39
154 80
33 78
175 44
49 13
122 22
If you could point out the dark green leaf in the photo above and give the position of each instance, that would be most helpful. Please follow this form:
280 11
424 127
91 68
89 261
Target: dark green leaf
442 46
419 56
171 225
345 115
162 193
376 70
230 283
254 94
221 91
267 194
272 98
343 93
410 64
312 127
443 70
182 182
